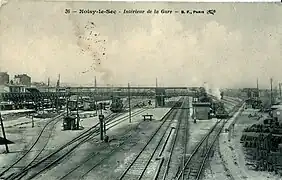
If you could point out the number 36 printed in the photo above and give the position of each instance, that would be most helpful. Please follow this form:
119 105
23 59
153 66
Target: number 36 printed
67 11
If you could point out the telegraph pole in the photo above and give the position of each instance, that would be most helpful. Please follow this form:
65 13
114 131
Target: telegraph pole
271 95
156 101
2 126
257 89
48 84
4 134
67 106
77 116
101 118
57 91
95 95
129 103
280 90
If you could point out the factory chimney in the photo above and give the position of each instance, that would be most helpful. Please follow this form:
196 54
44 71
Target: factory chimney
58 82
156 82
48 82
95 83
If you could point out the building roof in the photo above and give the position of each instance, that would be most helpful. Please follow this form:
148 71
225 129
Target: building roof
32 90
13 85
207 104
21 75
277 107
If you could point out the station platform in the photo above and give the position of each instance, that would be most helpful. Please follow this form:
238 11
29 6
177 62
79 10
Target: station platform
233 119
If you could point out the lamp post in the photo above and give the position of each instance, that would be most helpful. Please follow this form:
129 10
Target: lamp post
129 103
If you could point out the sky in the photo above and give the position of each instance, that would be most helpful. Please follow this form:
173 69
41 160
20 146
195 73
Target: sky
234 47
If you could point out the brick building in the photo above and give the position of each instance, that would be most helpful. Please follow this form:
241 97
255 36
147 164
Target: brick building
23 79
4 78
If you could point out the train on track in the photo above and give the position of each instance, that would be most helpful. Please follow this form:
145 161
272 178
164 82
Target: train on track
116 105
219 110
86 104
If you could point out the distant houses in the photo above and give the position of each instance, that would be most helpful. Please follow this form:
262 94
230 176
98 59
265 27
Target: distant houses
22 79
18 84
4 78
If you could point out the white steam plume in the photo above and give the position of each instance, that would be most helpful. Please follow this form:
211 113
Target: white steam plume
94 45
210 89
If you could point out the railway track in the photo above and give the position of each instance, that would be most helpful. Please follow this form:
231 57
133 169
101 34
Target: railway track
142 162
82 169
185 142
194 164
38 160
170 159
119 120
42 163
39 145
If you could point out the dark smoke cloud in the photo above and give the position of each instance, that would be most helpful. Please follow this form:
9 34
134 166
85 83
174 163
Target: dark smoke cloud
93 44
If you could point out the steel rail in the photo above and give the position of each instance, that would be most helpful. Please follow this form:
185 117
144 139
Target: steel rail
34 143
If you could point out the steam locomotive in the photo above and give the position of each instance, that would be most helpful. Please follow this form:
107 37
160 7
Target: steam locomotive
220 111
117 105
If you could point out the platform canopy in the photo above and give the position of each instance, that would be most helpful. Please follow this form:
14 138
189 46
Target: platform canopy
32 90
201 104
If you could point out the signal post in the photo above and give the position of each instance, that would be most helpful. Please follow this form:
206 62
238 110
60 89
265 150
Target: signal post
103 126
101 119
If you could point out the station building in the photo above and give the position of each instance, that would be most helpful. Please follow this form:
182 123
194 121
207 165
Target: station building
201 110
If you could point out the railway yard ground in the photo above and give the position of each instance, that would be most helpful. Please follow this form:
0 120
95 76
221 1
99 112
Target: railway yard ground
20 131
228 161
163 148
